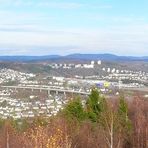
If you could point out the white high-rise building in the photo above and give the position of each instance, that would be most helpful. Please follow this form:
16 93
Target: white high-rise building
99 62
92 62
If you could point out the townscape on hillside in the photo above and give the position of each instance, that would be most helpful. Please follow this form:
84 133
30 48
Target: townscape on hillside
27 95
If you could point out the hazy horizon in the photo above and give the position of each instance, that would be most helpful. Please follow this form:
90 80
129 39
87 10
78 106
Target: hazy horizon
48 27
66 54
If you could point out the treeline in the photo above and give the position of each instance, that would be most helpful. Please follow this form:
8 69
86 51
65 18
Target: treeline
98 123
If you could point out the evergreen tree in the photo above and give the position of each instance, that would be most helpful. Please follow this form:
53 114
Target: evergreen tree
125 123
123 113
95 105
74 110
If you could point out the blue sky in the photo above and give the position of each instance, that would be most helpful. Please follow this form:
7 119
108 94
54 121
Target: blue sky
41 27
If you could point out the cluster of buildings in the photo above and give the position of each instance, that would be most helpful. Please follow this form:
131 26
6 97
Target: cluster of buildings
70 66
113 70
50 105
77 84
18 108
9 75
120 75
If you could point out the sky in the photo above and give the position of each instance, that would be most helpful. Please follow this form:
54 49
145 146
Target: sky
46 27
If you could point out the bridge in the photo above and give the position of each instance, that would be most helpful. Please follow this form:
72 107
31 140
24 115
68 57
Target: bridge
142 89
48 89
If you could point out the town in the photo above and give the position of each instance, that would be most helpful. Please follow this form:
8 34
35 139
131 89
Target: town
25 95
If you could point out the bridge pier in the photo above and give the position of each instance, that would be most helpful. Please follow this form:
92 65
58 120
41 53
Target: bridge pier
65 94
48 92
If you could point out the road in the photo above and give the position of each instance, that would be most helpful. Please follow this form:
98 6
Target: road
47 89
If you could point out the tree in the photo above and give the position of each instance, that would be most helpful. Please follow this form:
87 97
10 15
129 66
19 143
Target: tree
95 105
123 114
114 123
74 110
139 116
109 124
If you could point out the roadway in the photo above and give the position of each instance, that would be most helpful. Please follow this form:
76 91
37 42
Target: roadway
47 89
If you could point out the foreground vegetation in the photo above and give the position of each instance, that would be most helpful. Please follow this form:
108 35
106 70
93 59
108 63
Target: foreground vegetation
99 123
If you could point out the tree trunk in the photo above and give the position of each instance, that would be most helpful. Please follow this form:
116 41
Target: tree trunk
111 132
7 140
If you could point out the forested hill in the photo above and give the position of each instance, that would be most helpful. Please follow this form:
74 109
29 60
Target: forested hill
105 57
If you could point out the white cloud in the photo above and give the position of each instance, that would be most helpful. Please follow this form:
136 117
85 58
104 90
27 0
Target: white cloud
126 40
27 31
63 5
44 3
52 4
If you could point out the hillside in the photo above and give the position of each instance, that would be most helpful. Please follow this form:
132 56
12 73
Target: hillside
104 57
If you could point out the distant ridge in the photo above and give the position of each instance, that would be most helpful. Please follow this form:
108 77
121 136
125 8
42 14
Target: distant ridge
93 56
77 56
106 57
28 58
